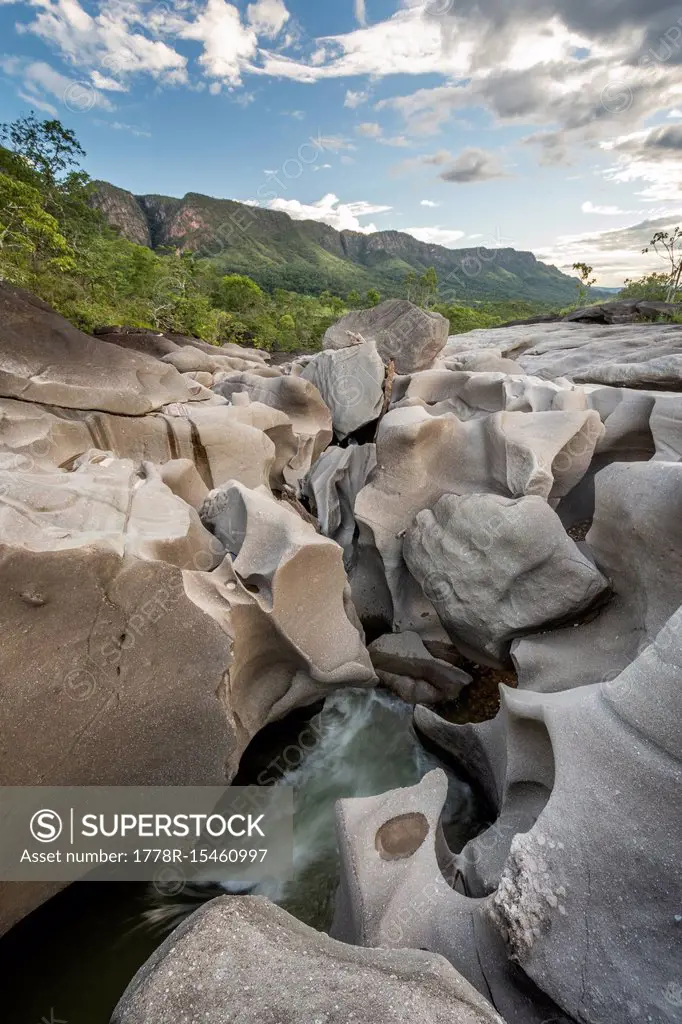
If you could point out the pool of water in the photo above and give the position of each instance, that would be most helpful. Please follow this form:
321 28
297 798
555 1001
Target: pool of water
71 959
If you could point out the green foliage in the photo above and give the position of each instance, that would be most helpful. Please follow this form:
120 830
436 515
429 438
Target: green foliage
30 239
54 242
354 300
585 283
669 245
652 287
373 297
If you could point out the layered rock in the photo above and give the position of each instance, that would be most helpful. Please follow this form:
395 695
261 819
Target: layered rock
240 956
637 355
44 358
409 336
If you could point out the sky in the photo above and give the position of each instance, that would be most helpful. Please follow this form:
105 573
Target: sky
548 125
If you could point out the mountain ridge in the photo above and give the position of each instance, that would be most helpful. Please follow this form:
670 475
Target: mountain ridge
308 255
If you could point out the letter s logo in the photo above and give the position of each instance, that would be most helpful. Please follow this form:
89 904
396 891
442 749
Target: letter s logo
46 826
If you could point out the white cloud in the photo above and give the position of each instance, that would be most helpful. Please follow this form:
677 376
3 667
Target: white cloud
40 84
330 210
614 254
38 102
229 45
334 143
436 236
429 203
109 41
360 12
370 129
355 99
675 113
399 141
322 167
268 17
607 211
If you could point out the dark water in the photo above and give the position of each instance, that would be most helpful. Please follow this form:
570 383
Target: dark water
71 959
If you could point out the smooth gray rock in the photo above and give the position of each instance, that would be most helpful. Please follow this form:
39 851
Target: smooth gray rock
351 384
412 337
332 486
572 912
636 541
243 959
496 568
45 359
629 355
404 666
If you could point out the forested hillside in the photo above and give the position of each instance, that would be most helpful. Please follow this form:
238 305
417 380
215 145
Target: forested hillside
308 256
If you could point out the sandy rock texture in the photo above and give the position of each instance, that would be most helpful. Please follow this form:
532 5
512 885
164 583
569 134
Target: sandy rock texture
210 969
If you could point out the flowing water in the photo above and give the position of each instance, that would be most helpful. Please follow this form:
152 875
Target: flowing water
72 958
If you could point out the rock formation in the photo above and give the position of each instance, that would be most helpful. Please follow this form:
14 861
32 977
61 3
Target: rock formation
409 336
192 559
220 952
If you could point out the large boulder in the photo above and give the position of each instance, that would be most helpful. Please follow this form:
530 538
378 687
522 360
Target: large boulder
351 384
496 568
410 336
241 957
636 542
421 457
44 358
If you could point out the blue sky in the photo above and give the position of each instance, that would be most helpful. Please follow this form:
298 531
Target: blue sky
542 124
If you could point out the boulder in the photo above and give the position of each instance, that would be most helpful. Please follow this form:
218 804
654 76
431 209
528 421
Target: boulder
622 311
410 336
497 568
240 957
350 381
422 457
644 566
404 666
45 359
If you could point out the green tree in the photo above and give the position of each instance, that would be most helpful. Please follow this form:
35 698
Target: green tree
354 299
410 284
428 286
668 244
585 283
373 297
237 293
30 238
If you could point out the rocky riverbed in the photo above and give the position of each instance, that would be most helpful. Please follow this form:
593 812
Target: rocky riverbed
196 543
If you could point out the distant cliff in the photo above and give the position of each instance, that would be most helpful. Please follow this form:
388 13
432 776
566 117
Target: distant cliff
305 255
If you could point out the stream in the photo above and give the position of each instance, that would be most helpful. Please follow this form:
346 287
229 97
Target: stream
72 958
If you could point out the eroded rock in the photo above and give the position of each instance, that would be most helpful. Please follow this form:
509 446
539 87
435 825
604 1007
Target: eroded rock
237 956
410 336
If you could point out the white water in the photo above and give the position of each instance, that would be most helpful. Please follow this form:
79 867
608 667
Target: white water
361 744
